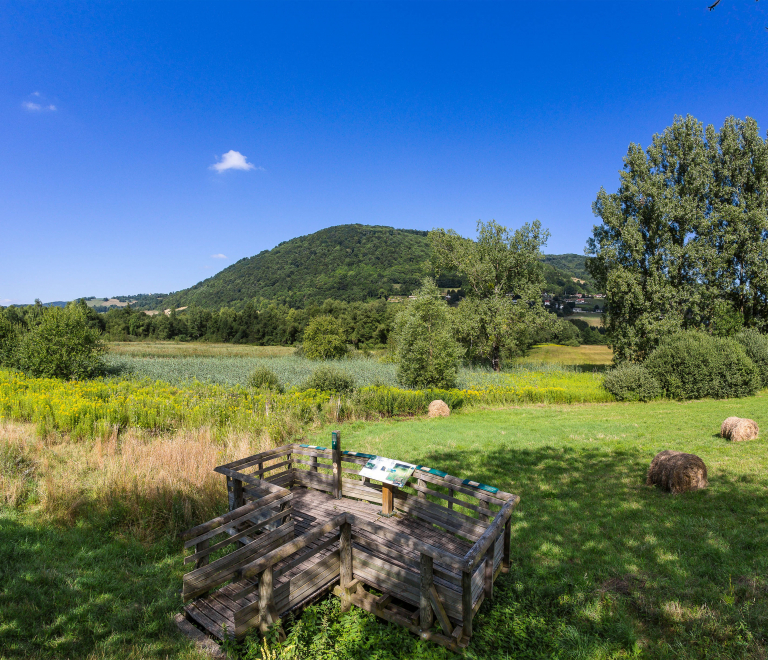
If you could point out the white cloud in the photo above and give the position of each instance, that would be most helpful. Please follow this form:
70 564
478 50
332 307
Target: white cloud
33 106
218 256
234 160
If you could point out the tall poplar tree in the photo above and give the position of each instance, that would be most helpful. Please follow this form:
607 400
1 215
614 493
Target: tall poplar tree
682 242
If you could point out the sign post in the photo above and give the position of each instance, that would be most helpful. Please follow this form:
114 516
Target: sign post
392 474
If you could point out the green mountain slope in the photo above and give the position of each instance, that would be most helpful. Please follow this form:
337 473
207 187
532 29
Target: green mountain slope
347 262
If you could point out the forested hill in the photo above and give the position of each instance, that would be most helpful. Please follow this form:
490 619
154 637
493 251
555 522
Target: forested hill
352 263
347 262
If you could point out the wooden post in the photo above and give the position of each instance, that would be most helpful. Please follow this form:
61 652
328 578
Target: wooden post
451 493
507 545
202 561
266 600
387 499
313 461
336 457
488 577
425 601
345 564
422 484
466 604
237 493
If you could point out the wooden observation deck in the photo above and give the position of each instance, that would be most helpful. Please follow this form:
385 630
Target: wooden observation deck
298 529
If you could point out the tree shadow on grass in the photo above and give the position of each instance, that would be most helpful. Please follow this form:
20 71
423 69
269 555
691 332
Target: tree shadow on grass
624 563
72 592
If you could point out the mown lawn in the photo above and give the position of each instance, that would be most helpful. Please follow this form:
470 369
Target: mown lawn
605 566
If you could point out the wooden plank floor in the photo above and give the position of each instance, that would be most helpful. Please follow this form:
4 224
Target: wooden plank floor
311 508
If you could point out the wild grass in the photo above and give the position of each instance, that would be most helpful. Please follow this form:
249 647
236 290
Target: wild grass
582 356
195 349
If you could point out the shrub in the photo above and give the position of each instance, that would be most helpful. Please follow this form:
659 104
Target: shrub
62 345
756 347
427 353
631 382
329 379
9 337
693 365
265 378
324 339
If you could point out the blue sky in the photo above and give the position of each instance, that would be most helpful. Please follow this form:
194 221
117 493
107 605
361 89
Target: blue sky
415 115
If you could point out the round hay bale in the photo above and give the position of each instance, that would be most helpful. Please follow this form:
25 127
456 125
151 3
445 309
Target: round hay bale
727 425
744 429
677 472
438 408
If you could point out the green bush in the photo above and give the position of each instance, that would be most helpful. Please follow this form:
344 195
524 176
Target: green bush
756 346
427 353
9 337
62 345
631 382
329 379
265 378
693 365
324 339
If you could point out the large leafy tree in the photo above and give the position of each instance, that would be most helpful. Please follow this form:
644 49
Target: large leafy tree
682 242
503 271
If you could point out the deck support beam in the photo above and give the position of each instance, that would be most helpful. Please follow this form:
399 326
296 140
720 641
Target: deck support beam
466 603
345 565
336 458
507 546
425 600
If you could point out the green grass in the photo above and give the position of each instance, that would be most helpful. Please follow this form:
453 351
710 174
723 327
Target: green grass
81 592
579 356
604 566
195 349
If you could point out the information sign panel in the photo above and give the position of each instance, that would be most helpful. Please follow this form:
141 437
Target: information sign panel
388 471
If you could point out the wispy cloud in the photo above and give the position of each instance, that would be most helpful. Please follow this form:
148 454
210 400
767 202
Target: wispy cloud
39 105
234 160
218 256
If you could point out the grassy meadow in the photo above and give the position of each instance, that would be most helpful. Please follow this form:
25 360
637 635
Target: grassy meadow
603 566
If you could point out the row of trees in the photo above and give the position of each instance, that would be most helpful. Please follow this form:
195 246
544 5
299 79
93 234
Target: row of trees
683 243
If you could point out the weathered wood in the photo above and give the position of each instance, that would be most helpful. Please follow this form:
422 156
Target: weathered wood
438 515
488 574
267 455
262 487
387 499
475 555
198 531
267 613
255 512
326 569
254 568
407 541
336 455
439 609
425 604
283 568
201 554
204 579
270 468
203 551
450 499
507 545
458 485
420 487
345 575
312 463
466 603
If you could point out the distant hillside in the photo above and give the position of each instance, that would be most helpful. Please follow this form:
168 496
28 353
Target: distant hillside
348 262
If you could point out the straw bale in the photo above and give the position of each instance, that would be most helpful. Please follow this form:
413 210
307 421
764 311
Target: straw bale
727 425
677 472
438 408
744 429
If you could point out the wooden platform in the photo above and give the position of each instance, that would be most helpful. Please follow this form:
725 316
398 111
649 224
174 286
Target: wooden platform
295 534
